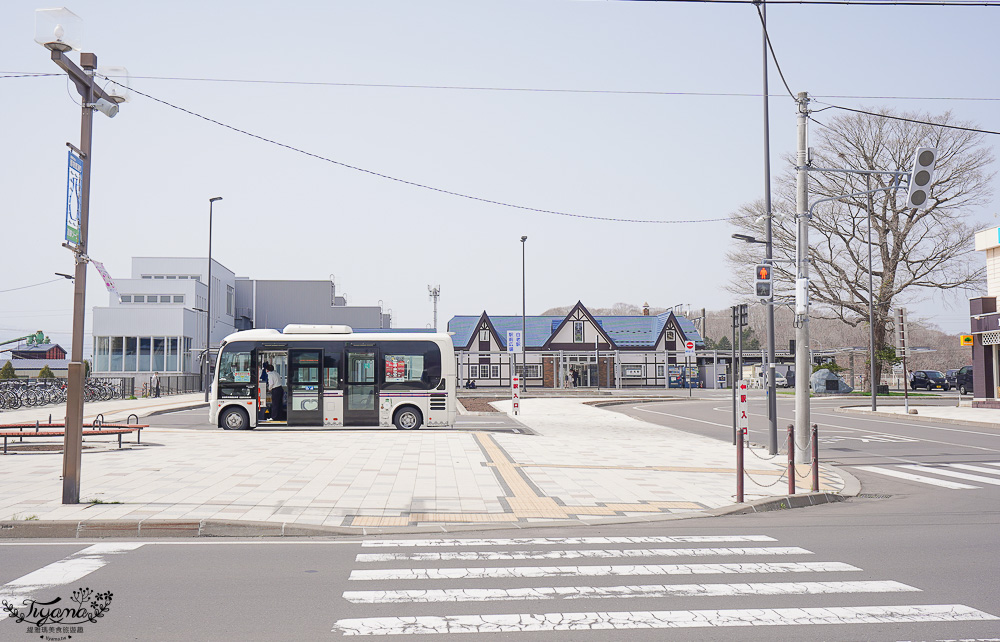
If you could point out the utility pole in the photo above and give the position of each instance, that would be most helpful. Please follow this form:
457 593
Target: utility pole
772 401
803 368
435 291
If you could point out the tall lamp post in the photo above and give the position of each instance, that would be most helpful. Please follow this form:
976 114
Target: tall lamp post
54 30
524 336
208 314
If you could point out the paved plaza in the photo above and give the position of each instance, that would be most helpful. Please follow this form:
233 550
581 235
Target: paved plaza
578 463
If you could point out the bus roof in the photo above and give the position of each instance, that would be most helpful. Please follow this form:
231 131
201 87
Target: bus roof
334 333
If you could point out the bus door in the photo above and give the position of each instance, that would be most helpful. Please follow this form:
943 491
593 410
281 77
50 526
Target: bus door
305 394
361 387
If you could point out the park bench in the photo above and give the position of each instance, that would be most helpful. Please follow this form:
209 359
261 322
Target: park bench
96 428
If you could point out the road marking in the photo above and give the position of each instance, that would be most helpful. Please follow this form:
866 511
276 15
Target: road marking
476 556
978 469
667 414
565 541
951 473
591 621
644 591
592 571
917 478
66 570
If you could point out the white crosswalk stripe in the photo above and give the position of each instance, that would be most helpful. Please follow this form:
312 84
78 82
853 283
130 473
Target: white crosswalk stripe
485 556
475 587
932 474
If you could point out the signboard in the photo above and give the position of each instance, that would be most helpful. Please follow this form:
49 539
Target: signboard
965 340
514 343
395 370
742 418
515 394
74 195
689 348
902 343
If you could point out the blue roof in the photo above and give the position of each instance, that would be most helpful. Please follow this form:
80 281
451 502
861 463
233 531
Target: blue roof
625 331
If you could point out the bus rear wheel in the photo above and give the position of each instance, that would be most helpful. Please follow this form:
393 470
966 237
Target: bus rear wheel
408 419
234 419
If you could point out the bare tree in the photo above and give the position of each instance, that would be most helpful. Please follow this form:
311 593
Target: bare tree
915 251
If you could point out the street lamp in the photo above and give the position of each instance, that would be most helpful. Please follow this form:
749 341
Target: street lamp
208 314
524 335
772 402
58 31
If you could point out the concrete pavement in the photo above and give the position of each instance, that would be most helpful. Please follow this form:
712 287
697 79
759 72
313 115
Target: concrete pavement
584 465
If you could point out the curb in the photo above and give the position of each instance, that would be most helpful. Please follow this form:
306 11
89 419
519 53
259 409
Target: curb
851 410
164 411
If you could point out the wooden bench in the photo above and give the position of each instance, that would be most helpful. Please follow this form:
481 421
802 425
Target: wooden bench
58 430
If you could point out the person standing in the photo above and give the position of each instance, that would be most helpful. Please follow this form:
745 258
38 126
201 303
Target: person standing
277 394
154 383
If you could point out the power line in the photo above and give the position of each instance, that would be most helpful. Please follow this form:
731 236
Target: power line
914 120
25 287
767 36
408 182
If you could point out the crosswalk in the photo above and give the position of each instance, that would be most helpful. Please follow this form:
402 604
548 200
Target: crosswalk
422 586
972 476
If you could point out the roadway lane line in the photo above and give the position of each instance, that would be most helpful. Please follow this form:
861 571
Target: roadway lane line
478 556
667 414
917 478
644 591
951 473
597 571
66 570
565 541
594 621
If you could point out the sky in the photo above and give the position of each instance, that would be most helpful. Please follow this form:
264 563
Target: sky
681 140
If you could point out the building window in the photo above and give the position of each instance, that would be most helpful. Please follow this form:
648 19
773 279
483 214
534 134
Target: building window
187 354
473 371
484 334
578 332
659 370
158 354
131 346
178 298
670 335
146 276
230 299
182 276
139 298
126 298
144 354
530 371
165 298
495 371
171 276
101 352
171 354
117 353
157 276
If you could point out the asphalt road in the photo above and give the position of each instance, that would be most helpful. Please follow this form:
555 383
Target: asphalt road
909 560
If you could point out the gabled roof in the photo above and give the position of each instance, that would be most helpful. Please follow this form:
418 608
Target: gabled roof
582 308
622 331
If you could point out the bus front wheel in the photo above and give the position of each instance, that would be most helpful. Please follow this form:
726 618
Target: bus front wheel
234 419
408 418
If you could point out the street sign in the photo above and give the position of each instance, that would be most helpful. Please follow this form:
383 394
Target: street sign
689 348
515 394
742 418
965 340
902 342
514 343
74 192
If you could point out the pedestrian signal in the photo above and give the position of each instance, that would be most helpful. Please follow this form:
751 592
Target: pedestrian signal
762 276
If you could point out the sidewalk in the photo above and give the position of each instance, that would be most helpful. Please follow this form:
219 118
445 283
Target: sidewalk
585 465
113 410
962 416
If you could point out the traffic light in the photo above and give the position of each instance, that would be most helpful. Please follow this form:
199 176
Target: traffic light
762 274
921 177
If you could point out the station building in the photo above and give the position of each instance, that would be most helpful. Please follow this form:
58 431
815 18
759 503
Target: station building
584 350
985 326
159 321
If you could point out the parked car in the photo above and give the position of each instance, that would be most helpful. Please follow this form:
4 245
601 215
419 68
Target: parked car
950 376
929 379
963 379
780 381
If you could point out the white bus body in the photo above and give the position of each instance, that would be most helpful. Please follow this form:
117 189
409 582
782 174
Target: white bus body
333 376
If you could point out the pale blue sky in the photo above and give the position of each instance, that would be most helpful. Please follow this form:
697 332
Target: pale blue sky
285 215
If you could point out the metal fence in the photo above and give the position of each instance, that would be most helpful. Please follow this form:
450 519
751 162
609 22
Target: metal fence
173 385
17 393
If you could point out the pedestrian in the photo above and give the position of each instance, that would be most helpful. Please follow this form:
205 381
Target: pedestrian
154 383
575 377
277 394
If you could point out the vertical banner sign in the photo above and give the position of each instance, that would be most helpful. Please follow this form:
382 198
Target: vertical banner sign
742 419
74 193
108 283
514 343
515 394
